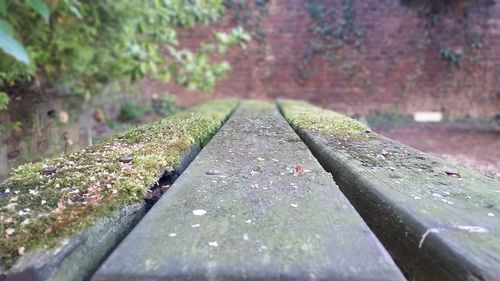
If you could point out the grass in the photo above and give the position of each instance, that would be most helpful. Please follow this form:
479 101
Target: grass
41 209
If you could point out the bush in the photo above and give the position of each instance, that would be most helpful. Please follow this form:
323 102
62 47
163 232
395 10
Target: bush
132 111
4 100
165 105
84 43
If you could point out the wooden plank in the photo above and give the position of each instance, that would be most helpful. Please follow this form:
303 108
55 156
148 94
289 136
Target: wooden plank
80 255
439 221
254 205
59 219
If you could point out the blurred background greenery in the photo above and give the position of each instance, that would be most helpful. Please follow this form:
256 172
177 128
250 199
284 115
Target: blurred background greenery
80 45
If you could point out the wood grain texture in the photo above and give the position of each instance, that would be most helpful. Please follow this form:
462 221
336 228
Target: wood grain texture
239 213
439 221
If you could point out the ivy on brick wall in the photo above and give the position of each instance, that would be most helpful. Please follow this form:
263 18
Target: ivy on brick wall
443 6
335 36
474 28
250 15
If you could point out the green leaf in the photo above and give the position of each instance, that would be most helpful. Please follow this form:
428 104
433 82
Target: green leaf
75 11
12 47
4 100
3 7
41 8
6 27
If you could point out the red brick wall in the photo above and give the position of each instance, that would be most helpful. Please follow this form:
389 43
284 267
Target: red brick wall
390 74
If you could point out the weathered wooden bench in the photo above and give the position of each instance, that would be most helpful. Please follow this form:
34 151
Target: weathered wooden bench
439 221
60 218
256 204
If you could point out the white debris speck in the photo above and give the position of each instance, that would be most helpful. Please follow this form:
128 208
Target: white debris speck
195 225
10 231
248 221
11 206
261 159
255 186
491 215
213 172
43 202
447 201
213 244
294 205
275 160
7 190
427 232
417 197
199 212
437 195
472 229
23 212
21 250
245 236
172 234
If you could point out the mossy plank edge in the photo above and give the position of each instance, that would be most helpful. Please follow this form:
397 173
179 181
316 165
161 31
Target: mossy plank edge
438 220
155 148
262 222
79 256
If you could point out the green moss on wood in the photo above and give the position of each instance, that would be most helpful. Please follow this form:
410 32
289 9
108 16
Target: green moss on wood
423 189
302 115
343 131
41 209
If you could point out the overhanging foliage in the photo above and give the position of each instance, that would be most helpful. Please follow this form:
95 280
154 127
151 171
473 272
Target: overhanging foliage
83 43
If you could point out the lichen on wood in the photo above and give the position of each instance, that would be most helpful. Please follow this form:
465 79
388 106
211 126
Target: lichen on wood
303 115
438 220
38 209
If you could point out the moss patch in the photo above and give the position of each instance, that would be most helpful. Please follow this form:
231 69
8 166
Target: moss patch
37 209
303 115
420 192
